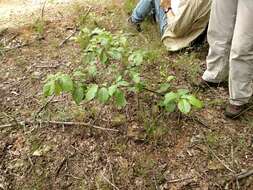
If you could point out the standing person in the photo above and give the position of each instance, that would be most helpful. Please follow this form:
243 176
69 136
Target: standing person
230 36
181 22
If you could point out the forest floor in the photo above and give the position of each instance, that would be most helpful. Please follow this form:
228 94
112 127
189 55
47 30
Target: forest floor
148 148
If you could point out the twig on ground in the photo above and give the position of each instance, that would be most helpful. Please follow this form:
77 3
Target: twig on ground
180 180
12 38
236 178
156 185
57 123
78 124
68 37
44 106
198 120
16 47
243 175
232 155
225 165
8 125
46 66
247 109
154 92
75 29
63 162
43 9
109 182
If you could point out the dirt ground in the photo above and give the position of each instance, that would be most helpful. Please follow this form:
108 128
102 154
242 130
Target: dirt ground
147 149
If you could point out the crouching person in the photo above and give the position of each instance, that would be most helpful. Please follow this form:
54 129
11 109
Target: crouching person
181 22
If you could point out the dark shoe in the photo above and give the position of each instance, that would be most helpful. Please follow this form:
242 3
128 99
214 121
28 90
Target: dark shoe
205 84
136 26
233 111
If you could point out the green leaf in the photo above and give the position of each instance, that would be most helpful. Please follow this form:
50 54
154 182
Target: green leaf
91 93
139 87
123 40
103 58
163 88
182 92
112 89
170 78
119 78
170 97
48 89
184 106
79 74
92 70
136 58
78 94
66 83
170 107
115 54
123 83
57 88
194 101
120 98
136 77
103 95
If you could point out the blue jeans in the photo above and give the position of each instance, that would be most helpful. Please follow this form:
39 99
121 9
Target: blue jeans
146 7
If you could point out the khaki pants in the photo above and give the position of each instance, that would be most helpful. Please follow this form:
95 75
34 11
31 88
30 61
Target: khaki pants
230 36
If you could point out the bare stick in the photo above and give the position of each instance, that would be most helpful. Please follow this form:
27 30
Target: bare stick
16 47
75 30
79 124
244 174
12 38
58 123
7 125
179 180
108 181
44 106
225 165
66 39
63 162
247 109
43 9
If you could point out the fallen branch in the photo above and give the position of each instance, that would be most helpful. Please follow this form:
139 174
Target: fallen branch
12 38
109 182
243 175
16 47
225 165
66 39
198 120
43 9
236 178
46 66
44 106
179 180
78 124
63 162
75 30
247 109
22 123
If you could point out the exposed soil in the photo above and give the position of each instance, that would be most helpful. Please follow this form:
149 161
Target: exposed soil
19 12
148 149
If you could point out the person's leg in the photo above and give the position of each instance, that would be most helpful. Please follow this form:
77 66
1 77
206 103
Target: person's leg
161 16
143 8
220 34
241 56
